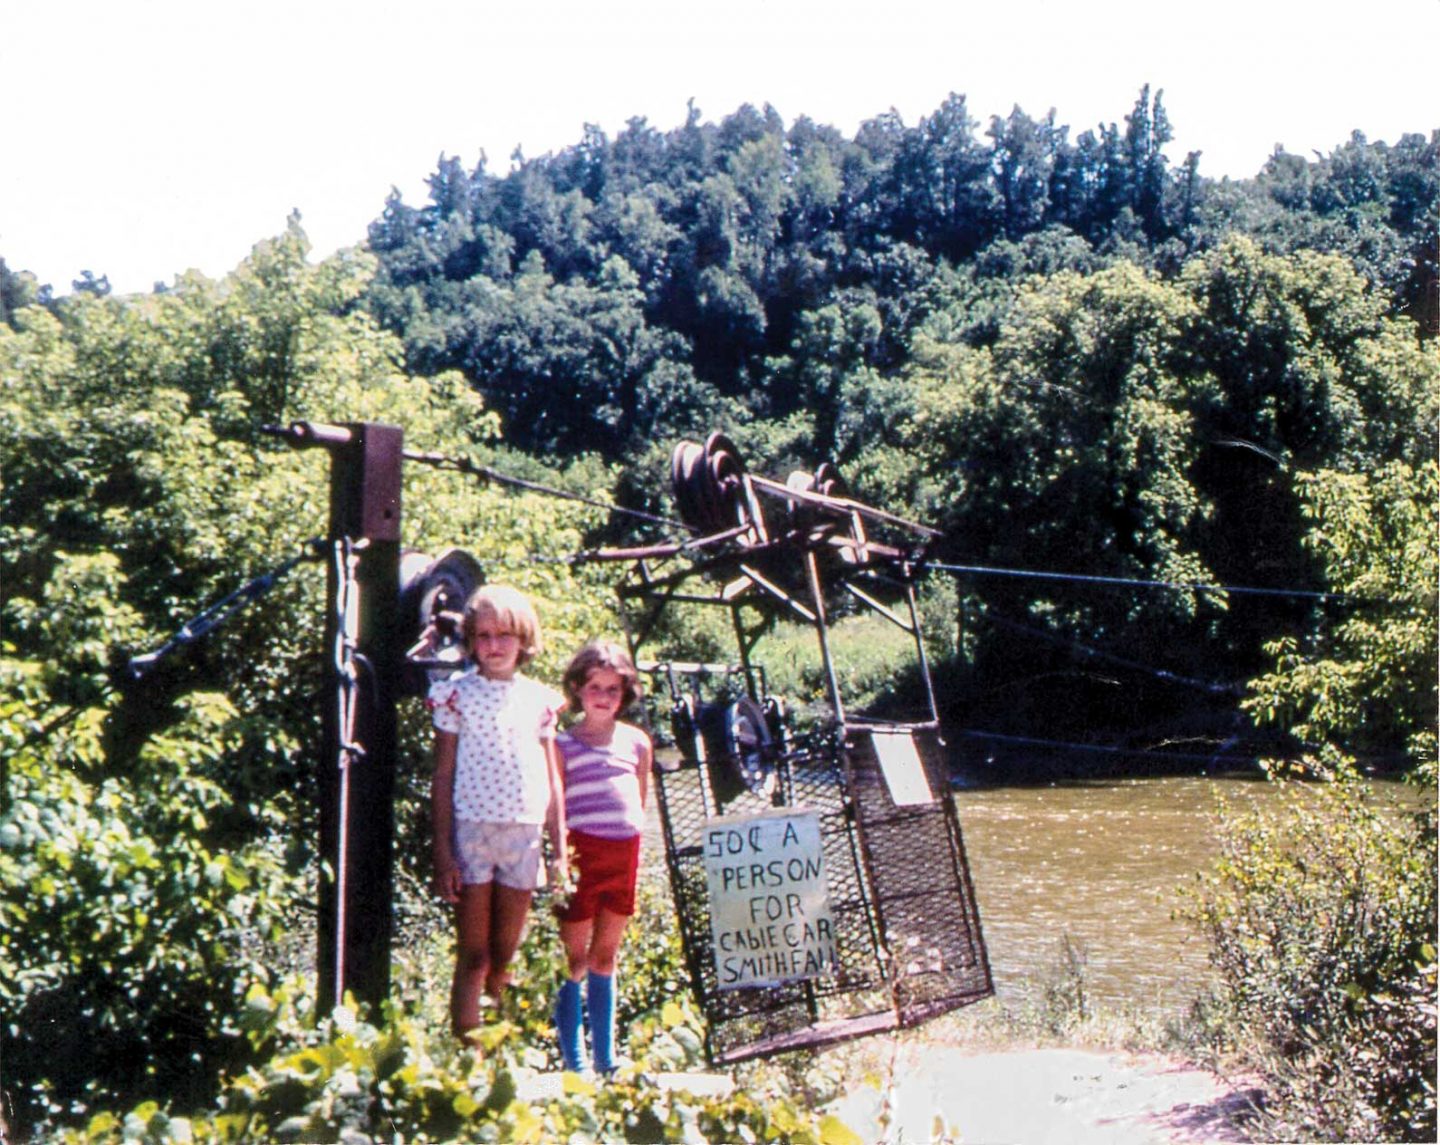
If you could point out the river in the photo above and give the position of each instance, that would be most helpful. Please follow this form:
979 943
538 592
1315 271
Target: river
1100 862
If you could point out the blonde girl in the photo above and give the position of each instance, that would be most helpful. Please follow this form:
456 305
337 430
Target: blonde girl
496 784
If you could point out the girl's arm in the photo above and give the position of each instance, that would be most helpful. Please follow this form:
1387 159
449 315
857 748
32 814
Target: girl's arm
442 817
555 814
646 754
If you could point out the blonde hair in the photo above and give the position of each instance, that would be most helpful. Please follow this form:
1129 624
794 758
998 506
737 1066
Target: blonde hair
512 611
601 654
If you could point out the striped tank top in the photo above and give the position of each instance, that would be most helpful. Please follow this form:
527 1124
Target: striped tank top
602 784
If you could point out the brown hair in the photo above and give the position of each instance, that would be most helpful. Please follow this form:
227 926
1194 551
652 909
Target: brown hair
512 610
602 654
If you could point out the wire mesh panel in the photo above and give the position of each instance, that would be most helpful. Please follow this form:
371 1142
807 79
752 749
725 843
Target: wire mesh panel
923 899
893 965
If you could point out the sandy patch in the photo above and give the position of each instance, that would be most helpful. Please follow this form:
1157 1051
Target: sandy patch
1043 1097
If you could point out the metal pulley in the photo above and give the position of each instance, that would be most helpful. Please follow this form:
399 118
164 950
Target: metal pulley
739 749
708 482
806 514
433 592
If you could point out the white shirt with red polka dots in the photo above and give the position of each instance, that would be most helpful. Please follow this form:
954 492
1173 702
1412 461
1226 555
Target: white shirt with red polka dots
500 768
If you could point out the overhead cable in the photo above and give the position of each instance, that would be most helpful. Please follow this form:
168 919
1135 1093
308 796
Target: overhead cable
1107 749
485 473
1109 657
1192 586
223 609
1218 756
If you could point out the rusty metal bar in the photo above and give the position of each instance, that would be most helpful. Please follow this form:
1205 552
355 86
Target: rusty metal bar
777 592
843 504
884 610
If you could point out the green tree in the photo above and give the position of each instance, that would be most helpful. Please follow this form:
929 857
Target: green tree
1366 684
1147 131
1322 918
1023 158
157 838
17 289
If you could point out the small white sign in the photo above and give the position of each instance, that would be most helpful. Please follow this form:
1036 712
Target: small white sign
769 902
903 770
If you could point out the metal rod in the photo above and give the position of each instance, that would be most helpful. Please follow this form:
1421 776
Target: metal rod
883 610
832 682
920 649
777 592
844 504
301 434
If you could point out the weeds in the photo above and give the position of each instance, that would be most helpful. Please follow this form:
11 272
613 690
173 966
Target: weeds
1321 920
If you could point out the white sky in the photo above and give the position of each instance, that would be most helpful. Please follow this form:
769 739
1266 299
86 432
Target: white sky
145 137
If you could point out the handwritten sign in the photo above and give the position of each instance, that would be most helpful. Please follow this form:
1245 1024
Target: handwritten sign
769 903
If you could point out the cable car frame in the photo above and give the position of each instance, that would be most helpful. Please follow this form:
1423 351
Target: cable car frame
907 941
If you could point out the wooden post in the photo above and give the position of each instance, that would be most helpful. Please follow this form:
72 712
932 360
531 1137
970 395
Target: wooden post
362 658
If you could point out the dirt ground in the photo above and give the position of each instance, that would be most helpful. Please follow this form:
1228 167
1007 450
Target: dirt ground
947 1095
943 1095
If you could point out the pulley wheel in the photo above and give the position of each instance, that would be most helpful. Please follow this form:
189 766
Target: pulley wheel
829 483
726 481
738 749
708 483
747 736
684 462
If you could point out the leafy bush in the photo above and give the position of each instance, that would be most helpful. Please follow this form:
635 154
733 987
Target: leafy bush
406 1078
1322 918
1322 926
157 838
133 918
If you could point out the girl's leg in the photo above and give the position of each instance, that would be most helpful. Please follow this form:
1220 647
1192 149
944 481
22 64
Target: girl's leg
507 927
600 986
600 1002
576 938
569 1011
605 940
472 955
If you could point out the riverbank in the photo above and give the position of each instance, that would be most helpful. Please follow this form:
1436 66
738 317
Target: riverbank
1040 1096
1049 1095
951 1095
991 1075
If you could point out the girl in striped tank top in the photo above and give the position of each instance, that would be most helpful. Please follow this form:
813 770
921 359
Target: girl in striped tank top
606 765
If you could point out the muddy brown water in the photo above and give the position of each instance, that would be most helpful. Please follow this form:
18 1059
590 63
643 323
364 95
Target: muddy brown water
1102 863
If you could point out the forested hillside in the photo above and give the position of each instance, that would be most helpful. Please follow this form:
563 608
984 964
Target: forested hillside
619 289
1069 353
1074 355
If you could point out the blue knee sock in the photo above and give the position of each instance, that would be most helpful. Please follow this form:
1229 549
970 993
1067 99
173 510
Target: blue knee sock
600 1001
568 1021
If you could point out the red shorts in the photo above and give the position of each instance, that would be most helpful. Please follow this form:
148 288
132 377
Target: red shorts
608 868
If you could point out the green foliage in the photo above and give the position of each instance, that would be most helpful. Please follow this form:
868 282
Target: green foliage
344 1078
1116 423
157 837
1367 683
1321 920
625 269
134 912
1302 362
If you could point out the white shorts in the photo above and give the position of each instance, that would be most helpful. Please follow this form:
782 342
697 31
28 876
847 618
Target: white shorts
506 853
